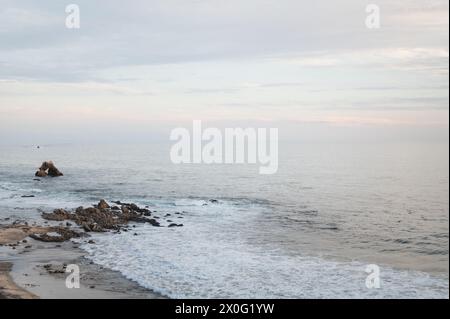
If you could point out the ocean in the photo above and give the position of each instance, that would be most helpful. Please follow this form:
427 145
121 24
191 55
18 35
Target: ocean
308 231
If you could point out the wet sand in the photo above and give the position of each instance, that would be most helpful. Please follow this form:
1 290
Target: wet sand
8 288
34 269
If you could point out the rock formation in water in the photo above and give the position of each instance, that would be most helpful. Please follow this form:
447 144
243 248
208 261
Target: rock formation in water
48 169
102 217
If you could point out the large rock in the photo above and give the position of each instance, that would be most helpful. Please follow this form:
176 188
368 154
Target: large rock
48 169
101 217
56 235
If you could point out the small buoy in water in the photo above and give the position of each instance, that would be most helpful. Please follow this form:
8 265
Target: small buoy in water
38 146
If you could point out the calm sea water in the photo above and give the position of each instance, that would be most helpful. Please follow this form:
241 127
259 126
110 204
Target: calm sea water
308 231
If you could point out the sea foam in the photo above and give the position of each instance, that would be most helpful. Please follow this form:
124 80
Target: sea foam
210 258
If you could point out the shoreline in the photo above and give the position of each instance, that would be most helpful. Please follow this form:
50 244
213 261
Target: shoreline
8 288
38 272
34 260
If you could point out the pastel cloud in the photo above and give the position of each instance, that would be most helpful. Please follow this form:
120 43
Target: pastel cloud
166 60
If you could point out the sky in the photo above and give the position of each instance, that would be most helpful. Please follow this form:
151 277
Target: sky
134 71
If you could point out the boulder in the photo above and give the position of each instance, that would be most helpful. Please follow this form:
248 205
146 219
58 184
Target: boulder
48 169
153 222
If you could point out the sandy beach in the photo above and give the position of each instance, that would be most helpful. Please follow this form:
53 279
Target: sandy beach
32 269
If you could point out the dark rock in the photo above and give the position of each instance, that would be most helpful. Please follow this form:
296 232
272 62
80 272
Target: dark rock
101 219
134 207
57 215
48 169
86 227
55 269
154 223
103 205
64 234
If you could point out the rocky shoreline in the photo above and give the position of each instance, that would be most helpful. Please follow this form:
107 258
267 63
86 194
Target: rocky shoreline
102 217
53 238
82 221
